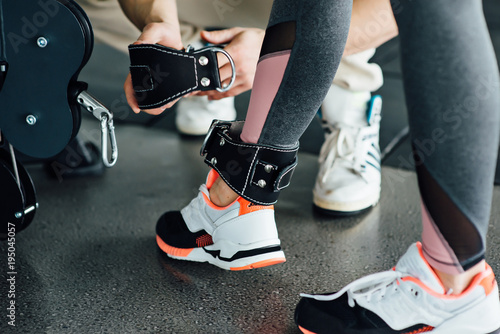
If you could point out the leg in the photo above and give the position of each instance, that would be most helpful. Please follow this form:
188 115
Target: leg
453 103
294 31
454 122
242 234
345 110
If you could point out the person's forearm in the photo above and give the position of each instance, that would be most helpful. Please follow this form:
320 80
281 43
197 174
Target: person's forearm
144 12
372 24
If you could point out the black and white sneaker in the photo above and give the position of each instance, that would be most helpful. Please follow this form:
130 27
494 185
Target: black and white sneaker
409 299
239 236
349 177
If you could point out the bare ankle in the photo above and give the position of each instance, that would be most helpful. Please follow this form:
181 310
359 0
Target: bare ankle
220 193
458 283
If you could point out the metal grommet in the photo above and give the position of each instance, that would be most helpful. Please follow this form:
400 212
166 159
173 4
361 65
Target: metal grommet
222 142
31 119
205 82
261 183
268 168
213 161
203 61
42 42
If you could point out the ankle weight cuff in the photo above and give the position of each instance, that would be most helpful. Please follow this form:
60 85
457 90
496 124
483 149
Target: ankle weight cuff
256 172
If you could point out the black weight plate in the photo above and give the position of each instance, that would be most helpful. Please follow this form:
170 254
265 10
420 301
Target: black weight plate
11 200
29 193
88 33
18 199
86 27
38 78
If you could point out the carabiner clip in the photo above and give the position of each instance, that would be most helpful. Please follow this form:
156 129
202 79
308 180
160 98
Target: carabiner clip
103 114
108 131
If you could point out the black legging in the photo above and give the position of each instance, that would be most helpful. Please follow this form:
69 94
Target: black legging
452 92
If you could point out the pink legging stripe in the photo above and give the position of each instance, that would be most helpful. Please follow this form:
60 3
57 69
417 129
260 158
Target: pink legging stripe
268 77
435 248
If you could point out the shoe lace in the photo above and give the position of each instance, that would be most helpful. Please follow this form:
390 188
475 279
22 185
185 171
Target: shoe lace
375 285
341 143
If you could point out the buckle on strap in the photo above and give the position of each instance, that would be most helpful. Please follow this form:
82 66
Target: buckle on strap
256 172
161 74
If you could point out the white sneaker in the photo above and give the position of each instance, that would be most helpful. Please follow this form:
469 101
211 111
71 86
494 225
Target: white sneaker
196 113
408 299
239 236
349 176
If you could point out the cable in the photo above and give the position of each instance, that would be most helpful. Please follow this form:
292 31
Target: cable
4 65
3 53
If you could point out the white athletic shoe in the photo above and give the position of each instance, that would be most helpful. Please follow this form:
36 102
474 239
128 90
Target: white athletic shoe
239 236
349 176
408 299
196 113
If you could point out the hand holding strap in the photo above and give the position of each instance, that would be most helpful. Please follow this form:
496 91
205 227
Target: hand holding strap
161 74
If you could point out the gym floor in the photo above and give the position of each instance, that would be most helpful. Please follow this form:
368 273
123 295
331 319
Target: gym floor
89 261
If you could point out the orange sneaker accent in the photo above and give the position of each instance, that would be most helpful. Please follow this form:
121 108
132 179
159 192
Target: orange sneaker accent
245 206
212 176
181 252
248 207
489 282
260 264
486 279
305 331
421 330
204 240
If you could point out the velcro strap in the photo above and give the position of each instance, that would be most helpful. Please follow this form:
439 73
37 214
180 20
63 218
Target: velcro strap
256 172
161 74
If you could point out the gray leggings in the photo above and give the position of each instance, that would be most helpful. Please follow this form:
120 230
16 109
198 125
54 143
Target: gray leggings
452 92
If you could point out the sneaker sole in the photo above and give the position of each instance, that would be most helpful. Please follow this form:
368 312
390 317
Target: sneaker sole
251 258
339 214
345 209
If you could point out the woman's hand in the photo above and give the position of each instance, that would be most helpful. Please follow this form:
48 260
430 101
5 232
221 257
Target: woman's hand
244 46
154 33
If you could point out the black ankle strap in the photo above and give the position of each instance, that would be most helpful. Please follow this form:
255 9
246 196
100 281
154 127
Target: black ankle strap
256 172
